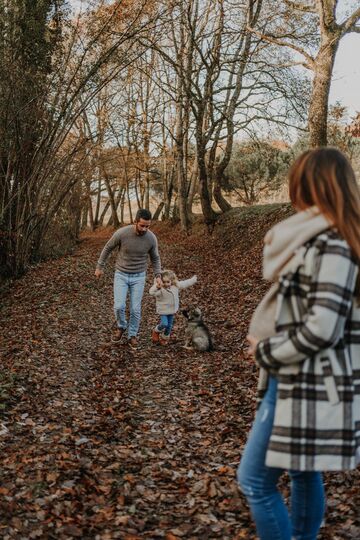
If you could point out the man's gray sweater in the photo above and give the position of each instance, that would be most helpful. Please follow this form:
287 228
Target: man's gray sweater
133 251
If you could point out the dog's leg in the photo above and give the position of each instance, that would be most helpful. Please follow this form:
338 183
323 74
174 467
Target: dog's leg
187 345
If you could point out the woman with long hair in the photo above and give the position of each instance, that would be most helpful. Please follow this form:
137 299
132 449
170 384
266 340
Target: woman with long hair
305 336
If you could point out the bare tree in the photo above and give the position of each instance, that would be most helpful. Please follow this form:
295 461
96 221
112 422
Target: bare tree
329 31
53 70
223 82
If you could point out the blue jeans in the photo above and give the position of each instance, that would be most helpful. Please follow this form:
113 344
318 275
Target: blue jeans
134 284
259 484
166 324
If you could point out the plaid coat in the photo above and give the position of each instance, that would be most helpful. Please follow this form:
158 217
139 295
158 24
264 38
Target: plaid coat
315 356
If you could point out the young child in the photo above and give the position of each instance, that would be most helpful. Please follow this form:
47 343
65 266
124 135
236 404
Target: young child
167 303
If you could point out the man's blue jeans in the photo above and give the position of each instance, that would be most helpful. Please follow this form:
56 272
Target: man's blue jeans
259 484
134 284
166 324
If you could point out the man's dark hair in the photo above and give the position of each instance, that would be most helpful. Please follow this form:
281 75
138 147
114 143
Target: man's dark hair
142 213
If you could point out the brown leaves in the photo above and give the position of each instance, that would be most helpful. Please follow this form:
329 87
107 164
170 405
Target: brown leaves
106 443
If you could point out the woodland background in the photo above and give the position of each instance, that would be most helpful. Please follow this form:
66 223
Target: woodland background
181 106
188 108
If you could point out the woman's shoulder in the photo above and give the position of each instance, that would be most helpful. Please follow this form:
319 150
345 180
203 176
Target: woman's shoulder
330 241
330 237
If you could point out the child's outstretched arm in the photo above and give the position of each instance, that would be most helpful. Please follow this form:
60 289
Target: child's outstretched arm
185 283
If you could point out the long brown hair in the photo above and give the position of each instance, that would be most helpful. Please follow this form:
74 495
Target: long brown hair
324 177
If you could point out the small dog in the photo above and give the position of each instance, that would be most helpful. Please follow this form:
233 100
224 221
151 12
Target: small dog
197 333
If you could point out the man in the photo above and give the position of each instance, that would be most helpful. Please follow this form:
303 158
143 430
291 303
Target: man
134 243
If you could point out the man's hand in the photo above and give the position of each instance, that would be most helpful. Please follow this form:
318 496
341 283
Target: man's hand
159 282
99 272
253 341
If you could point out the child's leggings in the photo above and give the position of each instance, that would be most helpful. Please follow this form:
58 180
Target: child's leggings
166 324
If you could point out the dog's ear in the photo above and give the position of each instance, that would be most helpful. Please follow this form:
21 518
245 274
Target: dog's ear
185 313
197 312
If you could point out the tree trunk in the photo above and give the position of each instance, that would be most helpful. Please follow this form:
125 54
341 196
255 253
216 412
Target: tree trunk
168 187
115 219
223 204
147 192
137 188
75 210
180 166
122 206
91 214
209 214
98 201
129 201
158 211
175 211
182 193
318 110
107 205
84 220
103 213
194 185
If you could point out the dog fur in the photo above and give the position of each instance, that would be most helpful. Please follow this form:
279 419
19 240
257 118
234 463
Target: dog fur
197 334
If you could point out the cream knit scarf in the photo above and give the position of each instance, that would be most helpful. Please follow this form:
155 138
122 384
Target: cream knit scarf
282 245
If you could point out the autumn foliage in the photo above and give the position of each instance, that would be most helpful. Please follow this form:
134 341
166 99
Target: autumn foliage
98 441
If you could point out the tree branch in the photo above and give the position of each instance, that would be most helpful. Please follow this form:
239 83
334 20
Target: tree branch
310 63
349 25
301 7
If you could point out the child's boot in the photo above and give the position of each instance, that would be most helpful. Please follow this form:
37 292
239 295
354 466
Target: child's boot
155 335
164 340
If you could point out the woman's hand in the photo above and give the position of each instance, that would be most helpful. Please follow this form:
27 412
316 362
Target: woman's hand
253 341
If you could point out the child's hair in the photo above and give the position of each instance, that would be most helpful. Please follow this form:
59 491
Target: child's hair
170 275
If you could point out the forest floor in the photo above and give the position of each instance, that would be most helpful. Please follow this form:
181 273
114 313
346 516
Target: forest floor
99 441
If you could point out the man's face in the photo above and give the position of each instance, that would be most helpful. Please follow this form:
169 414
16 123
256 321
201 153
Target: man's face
142 226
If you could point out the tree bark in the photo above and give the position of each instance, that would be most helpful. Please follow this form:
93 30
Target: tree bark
168 187
318 109
98 201
91 214
115 219
208 212
129 201
223 204
193 187
103 213
158 211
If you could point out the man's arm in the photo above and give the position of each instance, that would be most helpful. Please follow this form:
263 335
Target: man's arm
155 258
115 241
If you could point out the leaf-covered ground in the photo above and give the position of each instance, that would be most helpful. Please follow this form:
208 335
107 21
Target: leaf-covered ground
98 441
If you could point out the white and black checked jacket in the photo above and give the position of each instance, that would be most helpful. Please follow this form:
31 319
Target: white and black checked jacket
315 356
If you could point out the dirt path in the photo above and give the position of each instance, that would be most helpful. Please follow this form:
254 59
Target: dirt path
104 442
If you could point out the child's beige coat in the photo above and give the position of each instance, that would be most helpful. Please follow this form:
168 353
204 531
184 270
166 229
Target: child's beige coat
167 300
